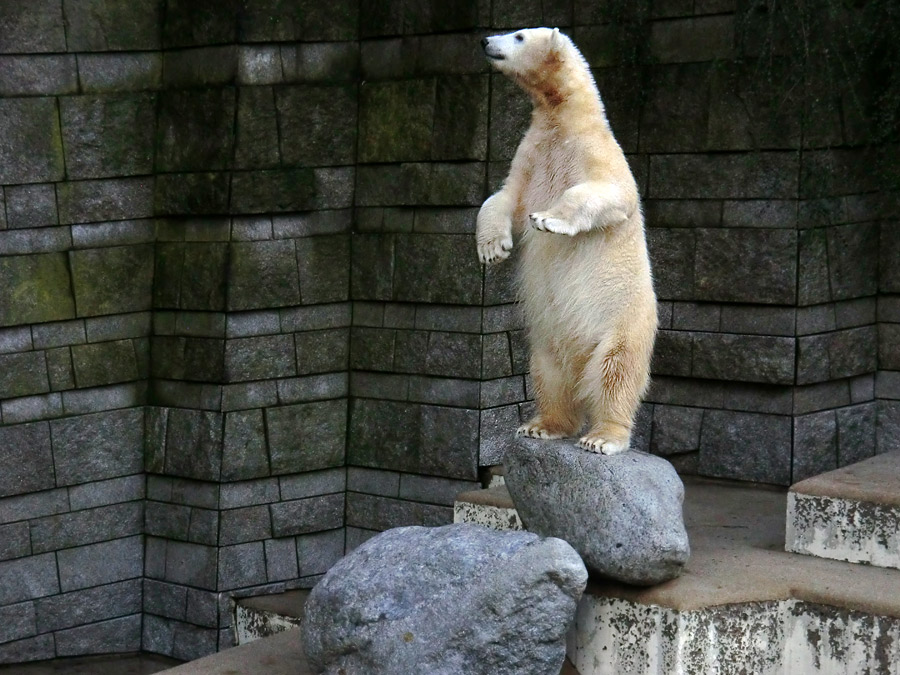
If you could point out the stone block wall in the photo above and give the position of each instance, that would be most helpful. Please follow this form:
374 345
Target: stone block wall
416 341
76 297
174 315
764 203
887 383
752 131
243 326
246 424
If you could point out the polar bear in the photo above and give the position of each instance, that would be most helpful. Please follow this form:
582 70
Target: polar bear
585 282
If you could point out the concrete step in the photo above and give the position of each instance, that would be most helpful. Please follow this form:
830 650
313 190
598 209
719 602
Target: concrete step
851 514
491 507
494 476
264 615
279 654
743 605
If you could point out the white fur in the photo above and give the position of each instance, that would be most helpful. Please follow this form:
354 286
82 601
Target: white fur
572 203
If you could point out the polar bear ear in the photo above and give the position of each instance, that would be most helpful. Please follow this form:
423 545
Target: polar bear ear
554 38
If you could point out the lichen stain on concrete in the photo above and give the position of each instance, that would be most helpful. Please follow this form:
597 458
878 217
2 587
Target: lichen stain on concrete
251 624
841 529
617 637
493 517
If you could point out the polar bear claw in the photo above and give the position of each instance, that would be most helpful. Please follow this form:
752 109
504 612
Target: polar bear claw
547 223
495 250
532 430
601 446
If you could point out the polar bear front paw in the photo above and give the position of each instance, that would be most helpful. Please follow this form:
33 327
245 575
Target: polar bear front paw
544 222
494 250
601 446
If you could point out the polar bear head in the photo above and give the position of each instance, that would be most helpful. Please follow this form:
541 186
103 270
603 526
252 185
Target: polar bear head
525 51
542 61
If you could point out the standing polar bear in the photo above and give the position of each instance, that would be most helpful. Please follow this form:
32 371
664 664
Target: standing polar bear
585 273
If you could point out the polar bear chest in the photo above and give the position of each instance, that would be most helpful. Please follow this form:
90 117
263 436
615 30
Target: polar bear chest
554 164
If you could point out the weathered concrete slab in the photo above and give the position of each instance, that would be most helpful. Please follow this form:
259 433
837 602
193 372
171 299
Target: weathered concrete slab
259 617
620 637
737 541
492 508
850 514
742 600
280 654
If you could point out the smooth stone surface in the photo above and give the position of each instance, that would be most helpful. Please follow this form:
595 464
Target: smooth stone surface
622 513
447 600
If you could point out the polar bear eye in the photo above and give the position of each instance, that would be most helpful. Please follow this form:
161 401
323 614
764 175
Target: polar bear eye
520 37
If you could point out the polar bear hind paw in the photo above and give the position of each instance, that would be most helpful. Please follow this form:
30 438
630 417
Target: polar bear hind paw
536 430
602 446
494 250
544 222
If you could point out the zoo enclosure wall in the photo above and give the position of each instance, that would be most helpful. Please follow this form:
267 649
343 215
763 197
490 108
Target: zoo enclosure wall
243 327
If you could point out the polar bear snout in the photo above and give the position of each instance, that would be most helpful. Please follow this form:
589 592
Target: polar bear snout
492 50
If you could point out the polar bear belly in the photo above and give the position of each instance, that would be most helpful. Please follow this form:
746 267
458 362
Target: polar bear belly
571 287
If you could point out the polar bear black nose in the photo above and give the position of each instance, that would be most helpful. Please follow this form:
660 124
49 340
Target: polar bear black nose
484 42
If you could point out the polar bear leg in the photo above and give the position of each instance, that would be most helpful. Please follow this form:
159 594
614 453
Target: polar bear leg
558 410
493 230
584 207
612 384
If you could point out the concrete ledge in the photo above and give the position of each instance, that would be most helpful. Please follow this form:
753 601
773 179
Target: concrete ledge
280 654
742 600
261 616
851 514
495 476
737 544
875 480
492 508
620 637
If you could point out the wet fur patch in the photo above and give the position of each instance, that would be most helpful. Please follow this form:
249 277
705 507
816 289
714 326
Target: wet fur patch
551 95
548 89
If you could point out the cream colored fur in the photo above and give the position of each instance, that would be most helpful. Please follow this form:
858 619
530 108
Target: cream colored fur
571 202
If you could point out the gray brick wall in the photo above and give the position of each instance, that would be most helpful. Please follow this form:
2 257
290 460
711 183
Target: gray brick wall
208 542
767 213
175 224
242 325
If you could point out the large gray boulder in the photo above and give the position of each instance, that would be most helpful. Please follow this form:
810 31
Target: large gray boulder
622 513
453 600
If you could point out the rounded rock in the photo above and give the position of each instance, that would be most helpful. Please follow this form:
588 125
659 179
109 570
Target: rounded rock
622 513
